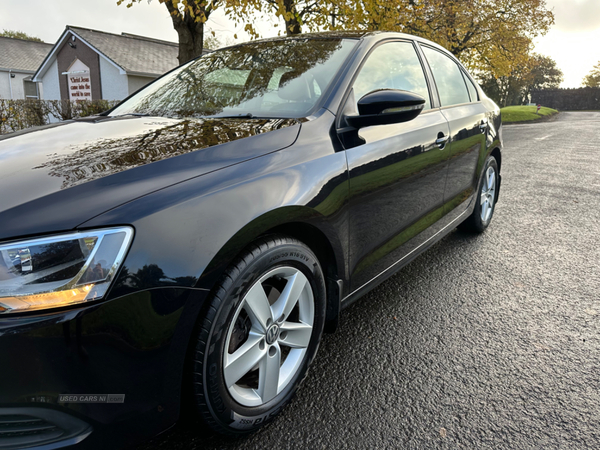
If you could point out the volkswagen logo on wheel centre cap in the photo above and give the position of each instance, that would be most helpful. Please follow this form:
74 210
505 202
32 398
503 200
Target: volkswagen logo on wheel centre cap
272 333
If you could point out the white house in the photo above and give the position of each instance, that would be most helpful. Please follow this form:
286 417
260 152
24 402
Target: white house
19 59
90 64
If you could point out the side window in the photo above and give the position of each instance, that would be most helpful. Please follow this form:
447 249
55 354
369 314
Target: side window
448 78
472 89
392 66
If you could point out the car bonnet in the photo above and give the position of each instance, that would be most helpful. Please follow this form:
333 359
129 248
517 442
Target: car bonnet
56 177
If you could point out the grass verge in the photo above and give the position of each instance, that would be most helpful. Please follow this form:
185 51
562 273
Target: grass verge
514 114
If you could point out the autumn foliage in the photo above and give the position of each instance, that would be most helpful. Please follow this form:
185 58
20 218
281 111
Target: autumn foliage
535 73
493 38
592 79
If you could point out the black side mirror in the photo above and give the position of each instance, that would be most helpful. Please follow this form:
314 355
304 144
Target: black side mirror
386 106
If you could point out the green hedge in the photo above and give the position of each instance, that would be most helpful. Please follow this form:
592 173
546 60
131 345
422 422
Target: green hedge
17 115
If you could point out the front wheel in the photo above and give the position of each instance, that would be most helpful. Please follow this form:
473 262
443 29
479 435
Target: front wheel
485 200
259 335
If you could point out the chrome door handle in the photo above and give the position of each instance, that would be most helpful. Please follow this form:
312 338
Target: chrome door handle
441 141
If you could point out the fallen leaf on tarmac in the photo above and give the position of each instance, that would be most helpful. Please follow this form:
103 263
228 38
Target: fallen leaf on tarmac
443 432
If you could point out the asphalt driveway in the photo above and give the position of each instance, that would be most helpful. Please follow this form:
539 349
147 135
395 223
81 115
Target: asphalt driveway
488 341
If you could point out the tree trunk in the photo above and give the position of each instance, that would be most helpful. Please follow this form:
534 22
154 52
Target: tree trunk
292 24
190 32
191 40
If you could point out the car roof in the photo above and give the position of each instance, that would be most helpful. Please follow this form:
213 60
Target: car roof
354 34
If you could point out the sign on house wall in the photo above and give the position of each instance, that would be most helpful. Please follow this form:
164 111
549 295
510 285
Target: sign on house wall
79 81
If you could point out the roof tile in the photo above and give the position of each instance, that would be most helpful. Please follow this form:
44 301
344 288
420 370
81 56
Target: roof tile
19 54
136 54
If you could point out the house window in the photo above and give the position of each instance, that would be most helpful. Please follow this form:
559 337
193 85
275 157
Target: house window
30 88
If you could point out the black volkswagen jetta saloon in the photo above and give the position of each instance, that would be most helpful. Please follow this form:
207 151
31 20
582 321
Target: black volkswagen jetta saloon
193 243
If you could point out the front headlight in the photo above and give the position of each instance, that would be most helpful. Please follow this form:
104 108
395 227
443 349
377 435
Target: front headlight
60 270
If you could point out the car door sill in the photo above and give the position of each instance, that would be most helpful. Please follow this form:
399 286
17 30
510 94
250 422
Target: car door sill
375 281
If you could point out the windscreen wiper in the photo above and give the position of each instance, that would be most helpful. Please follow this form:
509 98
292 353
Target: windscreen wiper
234 116
133 114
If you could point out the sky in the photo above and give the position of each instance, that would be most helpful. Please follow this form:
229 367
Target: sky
573 42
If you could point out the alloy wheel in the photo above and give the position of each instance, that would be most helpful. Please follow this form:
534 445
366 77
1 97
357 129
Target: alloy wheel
269 336
488 193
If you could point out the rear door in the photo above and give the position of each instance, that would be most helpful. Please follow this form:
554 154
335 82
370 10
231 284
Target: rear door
397 173
466 117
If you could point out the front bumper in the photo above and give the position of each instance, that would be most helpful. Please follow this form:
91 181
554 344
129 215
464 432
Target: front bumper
102 375
40 427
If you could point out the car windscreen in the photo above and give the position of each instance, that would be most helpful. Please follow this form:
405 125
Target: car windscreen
281 78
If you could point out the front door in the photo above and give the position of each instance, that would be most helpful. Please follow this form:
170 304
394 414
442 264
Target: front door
397 175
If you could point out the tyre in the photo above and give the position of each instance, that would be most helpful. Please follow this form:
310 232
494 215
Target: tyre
261 331
485 200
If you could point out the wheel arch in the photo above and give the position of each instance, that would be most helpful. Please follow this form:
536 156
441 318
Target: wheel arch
302 223
496 153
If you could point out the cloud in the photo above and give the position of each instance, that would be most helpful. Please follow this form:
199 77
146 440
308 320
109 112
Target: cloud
47 19
572 52
573 16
